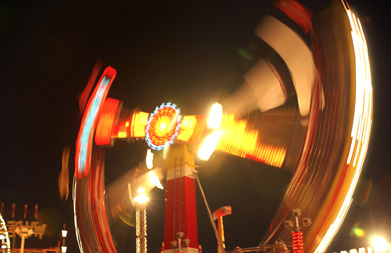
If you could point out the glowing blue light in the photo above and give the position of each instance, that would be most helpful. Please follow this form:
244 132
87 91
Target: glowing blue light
89 122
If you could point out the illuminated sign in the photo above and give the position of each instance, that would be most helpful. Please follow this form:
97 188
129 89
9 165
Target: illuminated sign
37 229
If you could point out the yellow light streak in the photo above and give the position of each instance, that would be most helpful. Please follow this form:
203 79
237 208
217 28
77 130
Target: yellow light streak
187 128
138 124
239 140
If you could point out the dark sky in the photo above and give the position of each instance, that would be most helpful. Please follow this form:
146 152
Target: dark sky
185 53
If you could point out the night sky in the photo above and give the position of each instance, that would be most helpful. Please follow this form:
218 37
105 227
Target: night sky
187 53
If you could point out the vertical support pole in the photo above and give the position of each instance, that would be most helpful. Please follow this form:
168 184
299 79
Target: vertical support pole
295 228
141 228
180 225
297 242
22 239
220 227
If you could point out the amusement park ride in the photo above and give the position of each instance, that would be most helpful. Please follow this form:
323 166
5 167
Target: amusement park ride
325 147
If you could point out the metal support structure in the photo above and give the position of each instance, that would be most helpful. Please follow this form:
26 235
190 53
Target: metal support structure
295 227
218 215
219 241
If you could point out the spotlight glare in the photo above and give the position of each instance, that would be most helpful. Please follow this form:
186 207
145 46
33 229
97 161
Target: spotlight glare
380 244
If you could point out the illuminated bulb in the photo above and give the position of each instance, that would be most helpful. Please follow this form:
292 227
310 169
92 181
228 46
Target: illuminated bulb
163 126
380 244
215 116
209 145
141 199
149 159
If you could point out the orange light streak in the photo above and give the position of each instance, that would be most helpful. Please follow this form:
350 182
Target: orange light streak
105 125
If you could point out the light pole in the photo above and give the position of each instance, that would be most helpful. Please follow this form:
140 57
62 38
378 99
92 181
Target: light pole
64 233
141 201
24 232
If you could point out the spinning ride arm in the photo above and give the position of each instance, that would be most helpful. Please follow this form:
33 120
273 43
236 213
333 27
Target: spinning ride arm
325 158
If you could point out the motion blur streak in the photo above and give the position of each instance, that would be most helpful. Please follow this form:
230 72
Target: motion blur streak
105 124
187 128
87 90
209 145
362 122
299 61
63 178
77 231
239 140
84 139
215 116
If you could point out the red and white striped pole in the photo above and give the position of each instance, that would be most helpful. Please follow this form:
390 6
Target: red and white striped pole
180 232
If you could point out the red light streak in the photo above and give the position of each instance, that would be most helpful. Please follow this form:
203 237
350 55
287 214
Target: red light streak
106 122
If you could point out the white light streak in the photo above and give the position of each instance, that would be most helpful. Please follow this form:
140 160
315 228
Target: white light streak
209 145
149 159
215 116
362 123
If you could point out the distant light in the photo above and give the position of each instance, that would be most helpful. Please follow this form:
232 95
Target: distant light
64 233
149 159
63 249
359 232
141 190
380 244
215 116
209 145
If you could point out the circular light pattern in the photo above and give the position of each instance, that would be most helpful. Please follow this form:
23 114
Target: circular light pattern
163 126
